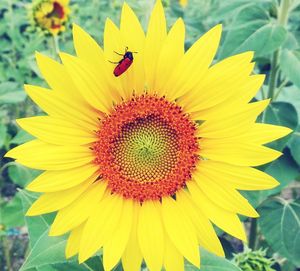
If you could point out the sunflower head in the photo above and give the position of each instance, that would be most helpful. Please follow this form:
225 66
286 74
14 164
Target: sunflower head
50 15
183 3
142 165
254 260
147 148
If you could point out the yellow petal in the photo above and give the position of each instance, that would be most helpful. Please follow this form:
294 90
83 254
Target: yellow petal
87 48
246 92
180 230
56 180
131 28
57 131
133 35
94 56
95 91
101 225
73 243
171 52
40 155
78 211
238 99
56 105
244 178
261 133
220 82
236 153
224 196
173 260
55 74
228 221
132 257
156 35
115 246
233 125
206 234
151 235
50 202
193 66
114 44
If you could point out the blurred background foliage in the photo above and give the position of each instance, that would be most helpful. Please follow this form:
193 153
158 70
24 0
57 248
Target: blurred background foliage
271 28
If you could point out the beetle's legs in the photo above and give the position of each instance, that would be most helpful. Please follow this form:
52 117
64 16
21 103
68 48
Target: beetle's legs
118 53
113 62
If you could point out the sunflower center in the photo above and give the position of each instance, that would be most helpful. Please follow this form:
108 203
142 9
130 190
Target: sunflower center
146 148
57 11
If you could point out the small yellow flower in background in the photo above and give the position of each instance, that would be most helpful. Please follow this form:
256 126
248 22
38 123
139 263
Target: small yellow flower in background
142 164
183 3
50 15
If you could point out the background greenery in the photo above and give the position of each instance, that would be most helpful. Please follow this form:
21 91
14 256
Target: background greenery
269 27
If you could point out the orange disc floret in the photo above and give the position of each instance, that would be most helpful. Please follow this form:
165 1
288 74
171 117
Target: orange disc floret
146 148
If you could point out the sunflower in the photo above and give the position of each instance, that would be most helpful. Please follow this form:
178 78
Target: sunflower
142 165
50 15
183 3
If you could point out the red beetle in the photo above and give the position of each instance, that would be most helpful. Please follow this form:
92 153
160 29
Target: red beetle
124 63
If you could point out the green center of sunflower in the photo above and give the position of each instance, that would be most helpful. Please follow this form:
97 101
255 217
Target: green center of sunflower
146 149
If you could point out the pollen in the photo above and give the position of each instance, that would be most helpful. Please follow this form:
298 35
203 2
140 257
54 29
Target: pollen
146 148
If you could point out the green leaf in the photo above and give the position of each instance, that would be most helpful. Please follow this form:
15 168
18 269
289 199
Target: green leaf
94 263
21 137
12 97
290 42
290 65
45 268
72 267
47 250
280 225
211 262
21 175
247 21
294 145
3 134
10 93
264 40
284 169
44 249
11 213
291 95
283 114
48 253
37 225
227 9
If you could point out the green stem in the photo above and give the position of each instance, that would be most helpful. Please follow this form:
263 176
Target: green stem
283 14
273 75
55 46
280 88
263 95
253 234
85 265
